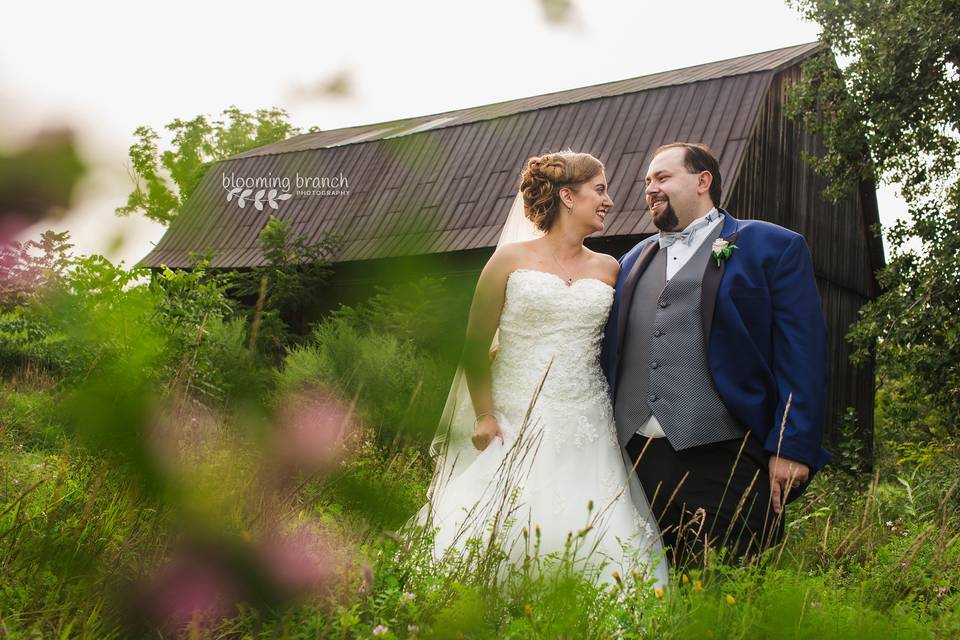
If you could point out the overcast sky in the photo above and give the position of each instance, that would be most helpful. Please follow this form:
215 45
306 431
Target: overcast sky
104 68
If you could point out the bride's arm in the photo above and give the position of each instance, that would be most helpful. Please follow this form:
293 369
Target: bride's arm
482 324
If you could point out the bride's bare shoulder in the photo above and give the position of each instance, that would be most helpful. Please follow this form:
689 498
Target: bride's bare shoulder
607 265
510 256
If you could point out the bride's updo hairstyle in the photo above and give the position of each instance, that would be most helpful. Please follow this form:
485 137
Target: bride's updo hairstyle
544 176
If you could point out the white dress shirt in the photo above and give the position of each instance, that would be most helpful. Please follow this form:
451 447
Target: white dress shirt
678 254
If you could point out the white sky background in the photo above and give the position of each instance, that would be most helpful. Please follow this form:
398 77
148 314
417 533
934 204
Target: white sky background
104 68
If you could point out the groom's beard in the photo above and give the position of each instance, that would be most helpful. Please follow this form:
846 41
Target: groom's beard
668 220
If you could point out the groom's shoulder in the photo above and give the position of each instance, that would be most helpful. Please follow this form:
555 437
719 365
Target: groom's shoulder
637 248
767 231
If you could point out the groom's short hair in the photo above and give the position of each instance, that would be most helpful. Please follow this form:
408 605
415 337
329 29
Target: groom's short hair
698 157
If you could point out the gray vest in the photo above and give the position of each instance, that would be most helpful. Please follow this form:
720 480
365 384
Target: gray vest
663 365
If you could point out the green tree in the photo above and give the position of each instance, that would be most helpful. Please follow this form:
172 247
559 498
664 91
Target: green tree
164 180
292 268
892 114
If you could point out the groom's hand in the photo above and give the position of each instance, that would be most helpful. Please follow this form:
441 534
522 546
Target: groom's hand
784 474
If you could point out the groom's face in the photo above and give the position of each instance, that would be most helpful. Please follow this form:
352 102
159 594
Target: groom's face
671 190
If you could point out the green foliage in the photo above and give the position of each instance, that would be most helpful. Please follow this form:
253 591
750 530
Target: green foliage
31 418
293 269
197 144
894 110
22 272
398 390
70 525
893 114
69 316
424 311
849 450
80 525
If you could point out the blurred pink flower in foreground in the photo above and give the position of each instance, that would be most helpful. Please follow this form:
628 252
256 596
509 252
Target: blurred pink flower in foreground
312 427
300 562
190 589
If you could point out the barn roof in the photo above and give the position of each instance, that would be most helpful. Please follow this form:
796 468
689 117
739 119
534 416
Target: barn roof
445 182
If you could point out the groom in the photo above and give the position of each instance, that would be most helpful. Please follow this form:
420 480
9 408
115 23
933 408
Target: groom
715 333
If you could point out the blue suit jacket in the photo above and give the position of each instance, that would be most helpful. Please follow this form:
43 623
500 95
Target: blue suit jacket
764 331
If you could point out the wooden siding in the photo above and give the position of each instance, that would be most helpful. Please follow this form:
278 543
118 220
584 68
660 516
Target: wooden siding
775 184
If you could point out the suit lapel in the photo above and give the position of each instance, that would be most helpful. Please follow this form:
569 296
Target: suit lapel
712 276
643 261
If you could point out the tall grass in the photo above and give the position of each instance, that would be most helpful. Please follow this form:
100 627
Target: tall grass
135 503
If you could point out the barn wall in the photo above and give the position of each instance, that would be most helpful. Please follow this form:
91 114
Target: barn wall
776 185
353 282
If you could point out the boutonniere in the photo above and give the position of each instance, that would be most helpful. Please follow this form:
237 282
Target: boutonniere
722 249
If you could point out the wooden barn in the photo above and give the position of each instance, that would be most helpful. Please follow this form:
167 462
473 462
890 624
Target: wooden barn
441 186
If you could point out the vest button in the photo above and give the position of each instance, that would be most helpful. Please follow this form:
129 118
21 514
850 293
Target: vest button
654 364
664 304
654 398
657 333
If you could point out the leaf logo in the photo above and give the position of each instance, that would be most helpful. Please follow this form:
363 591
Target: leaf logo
272 198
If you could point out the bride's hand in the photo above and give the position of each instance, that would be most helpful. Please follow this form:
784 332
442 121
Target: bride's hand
487 429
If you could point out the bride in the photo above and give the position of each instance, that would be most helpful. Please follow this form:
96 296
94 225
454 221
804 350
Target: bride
527 456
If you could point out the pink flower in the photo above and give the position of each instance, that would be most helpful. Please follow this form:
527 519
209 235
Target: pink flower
300 562
190 589
313 426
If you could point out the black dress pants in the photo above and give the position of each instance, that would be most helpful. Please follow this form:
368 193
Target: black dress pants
697 501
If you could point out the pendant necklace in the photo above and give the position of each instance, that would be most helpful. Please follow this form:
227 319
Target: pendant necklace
569 278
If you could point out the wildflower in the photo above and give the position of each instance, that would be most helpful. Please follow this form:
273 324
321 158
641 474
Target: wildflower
526 533
634 573
730 599
657 591
412 628
407 596
298 561
584 531
590 506
380 630
536 531
685 579
697 585
313 427
527 609
616 576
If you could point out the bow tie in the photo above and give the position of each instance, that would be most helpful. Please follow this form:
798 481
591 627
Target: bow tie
667 238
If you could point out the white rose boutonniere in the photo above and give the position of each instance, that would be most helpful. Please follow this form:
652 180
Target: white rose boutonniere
722 249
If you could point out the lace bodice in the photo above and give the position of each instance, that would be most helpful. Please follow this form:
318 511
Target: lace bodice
543 318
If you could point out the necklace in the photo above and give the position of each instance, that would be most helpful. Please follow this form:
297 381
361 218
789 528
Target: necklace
569 278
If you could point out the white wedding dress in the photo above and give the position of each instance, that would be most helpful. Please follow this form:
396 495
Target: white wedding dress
563 457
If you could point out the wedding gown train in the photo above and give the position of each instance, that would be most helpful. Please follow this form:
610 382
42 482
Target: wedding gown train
561 459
